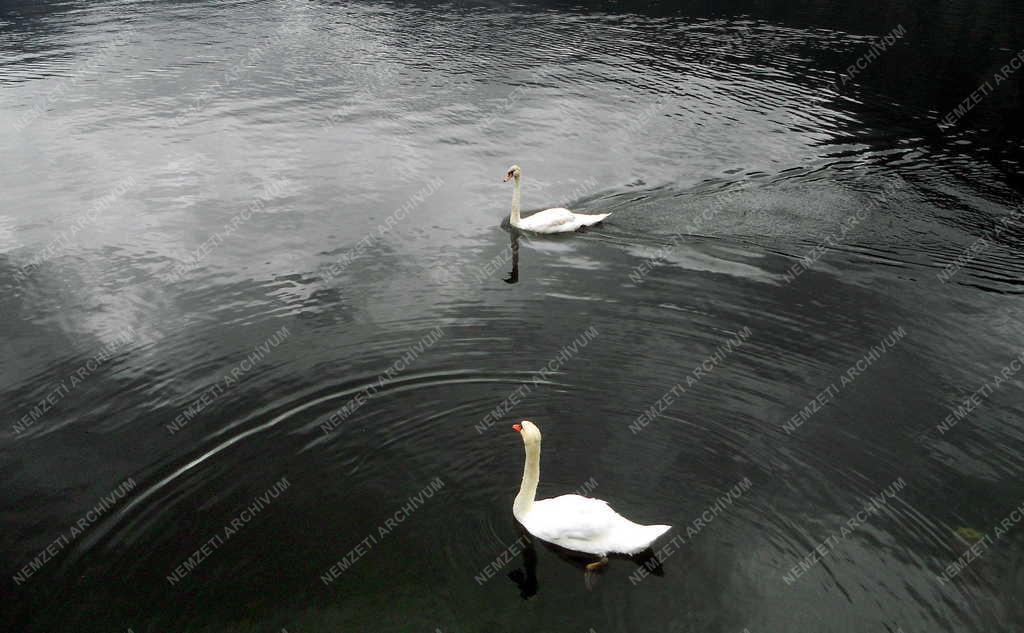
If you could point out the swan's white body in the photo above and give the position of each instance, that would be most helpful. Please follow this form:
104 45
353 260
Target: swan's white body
577 523
557 220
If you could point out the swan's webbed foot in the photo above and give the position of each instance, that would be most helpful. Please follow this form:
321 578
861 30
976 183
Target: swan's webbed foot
589 576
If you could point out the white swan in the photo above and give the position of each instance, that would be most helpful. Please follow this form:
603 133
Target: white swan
557 220
577 523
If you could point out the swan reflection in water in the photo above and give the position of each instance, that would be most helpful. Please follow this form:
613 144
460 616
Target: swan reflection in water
513 276
526 577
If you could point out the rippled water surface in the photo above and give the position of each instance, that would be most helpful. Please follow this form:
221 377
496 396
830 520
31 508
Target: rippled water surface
265 328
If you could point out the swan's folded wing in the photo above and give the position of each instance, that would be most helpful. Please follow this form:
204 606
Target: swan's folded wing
559 215
571 520
550 219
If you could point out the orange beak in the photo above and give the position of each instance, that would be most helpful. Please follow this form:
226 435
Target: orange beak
518 427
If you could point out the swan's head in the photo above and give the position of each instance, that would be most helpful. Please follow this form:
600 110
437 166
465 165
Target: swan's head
513 172
529 431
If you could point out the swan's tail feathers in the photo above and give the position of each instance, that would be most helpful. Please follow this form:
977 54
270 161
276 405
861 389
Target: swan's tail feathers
594 219
645 535
655 531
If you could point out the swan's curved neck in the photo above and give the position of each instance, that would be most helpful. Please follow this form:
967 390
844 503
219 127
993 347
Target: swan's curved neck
514 218
531 475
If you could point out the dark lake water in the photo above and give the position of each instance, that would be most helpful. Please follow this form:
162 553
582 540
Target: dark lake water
265 332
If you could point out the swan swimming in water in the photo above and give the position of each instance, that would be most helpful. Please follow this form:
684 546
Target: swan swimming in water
557 220
577 523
